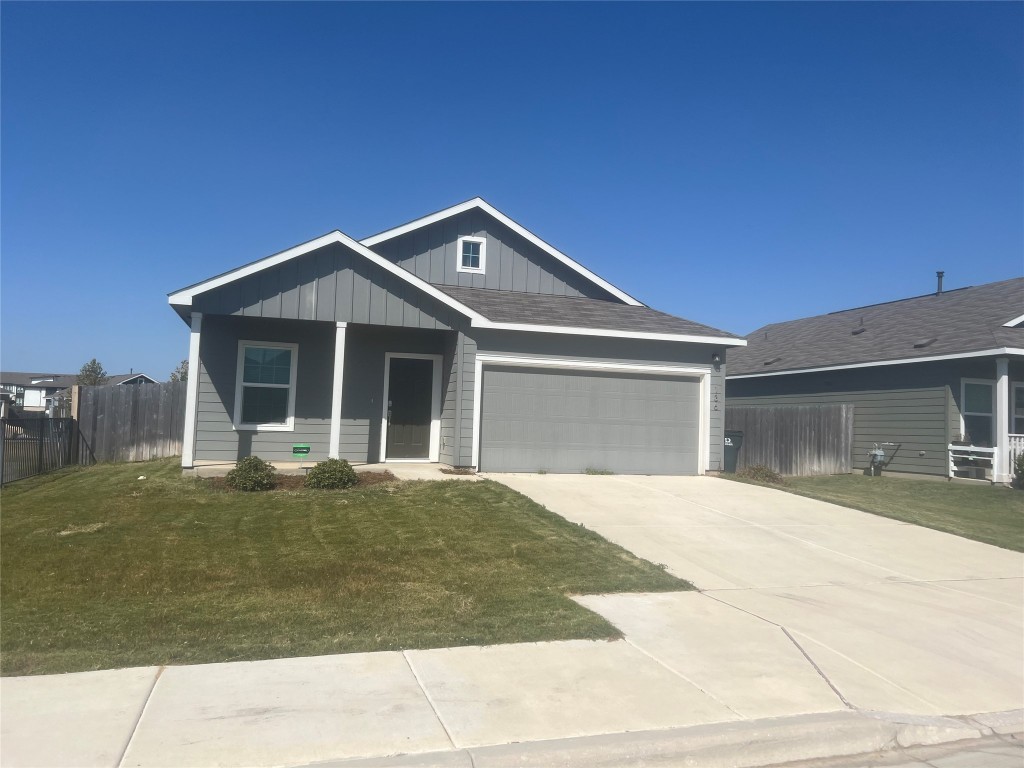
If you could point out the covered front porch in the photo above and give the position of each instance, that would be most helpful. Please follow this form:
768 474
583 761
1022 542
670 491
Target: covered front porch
991 424
296 392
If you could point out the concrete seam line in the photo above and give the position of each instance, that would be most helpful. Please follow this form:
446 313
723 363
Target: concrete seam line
870 671
430 700
817 669
775 530
799 647
142 712
826 647
680 675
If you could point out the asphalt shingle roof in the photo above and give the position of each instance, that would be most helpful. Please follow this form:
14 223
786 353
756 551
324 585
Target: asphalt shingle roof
957 321
574 312
59 380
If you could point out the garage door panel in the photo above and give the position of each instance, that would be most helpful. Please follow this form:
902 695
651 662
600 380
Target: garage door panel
570 421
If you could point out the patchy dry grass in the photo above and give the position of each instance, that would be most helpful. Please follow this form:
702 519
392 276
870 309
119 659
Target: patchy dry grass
100 570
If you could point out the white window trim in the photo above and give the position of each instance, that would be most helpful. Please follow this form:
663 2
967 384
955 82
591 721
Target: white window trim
1018 402
703 373
434 448
963 404
289 425
483 255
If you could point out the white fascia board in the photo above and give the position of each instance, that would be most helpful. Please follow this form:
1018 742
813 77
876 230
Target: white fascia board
1014 323
519 229
678 337
186 295
877 363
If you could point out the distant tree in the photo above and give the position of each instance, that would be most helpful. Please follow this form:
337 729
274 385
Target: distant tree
92 374
181 372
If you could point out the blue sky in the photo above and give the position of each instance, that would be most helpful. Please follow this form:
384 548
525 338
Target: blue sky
736 164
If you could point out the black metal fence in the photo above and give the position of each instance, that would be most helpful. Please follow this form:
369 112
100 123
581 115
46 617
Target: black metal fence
35 446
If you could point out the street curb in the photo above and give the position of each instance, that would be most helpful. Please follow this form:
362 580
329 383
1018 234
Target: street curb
743 744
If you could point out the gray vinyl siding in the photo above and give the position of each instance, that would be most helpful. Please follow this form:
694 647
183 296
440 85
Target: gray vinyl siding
331 284
916 405
363 389
608 350
512 262
216 438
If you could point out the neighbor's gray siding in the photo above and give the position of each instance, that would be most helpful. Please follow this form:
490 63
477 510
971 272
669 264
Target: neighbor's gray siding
216 438
362 393
512 262
565 346
916 405
331 284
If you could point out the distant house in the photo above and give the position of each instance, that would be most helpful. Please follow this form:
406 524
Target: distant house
940 376
35 391
459 338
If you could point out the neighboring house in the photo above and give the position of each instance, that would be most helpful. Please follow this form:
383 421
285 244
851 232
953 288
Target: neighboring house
459 338
35 391
934 374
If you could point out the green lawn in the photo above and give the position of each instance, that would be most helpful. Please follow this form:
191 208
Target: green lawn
992 514
99 569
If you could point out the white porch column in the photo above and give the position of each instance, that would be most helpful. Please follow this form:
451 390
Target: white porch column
1001 460
188 442
339 377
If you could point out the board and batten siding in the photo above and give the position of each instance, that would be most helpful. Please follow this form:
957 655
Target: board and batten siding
362 394
915 405
512 263
613 350
332 284
216 437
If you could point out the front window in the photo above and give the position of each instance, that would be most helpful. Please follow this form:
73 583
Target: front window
976 411
1018 410
472 254
266 385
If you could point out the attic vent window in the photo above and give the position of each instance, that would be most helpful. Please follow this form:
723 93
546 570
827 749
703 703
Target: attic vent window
858 331
924 343
772 361
472 254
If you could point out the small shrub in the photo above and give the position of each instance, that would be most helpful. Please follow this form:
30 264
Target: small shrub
592 471
1018 471
332 474
251 474
759 473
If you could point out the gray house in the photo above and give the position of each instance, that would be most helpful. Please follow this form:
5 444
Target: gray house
940 376
460 338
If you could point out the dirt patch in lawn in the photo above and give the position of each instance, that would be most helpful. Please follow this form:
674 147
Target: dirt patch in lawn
298 482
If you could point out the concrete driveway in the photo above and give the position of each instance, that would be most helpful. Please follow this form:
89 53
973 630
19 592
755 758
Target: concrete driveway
802 601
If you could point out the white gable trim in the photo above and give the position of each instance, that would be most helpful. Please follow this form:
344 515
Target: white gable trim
1014 323
186 295
519 229
876 363
679 337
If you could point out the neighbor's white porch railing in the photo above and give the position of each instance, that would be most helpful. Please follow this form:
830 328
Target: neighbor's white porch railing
970 457
975 457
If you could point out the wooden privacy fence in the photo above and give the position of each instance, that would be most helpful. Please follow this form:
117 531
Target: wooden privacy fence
133 423
794 439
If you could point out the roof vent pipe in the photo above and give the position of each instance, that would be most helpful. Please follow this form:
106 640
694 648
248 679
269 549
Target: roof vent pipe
938 291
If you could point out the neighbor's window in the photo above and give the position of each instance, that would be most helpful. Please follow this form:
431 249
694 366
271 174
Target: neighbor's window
472 254
266 385
977 412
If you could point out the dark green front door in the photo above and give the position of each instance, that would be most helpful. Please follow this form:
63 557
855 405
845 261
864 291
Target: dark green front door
410 381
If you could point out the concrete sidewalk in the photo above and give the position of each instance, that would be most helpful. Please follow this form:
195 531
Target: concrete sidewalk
815 621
